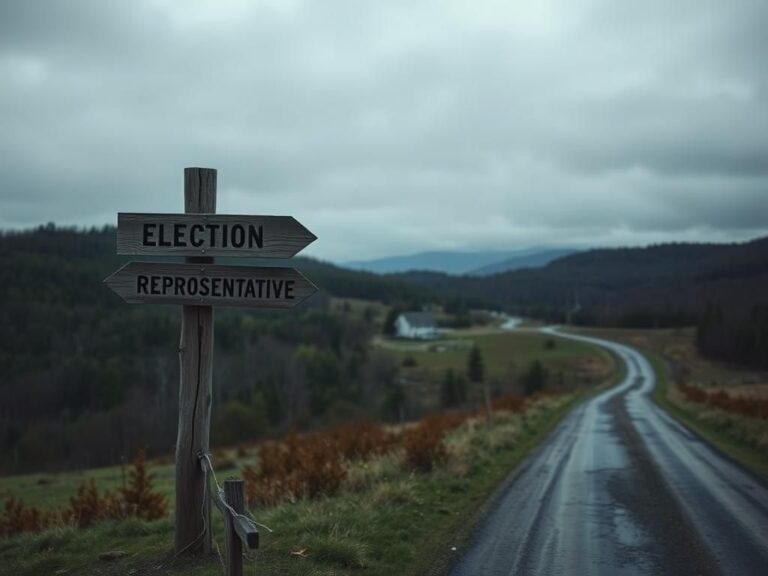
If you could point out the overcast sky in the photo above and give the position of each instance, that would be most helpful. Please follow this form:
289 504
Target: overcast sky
396 126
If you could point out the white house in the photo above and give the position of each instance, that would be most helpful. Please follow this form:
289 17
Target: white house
415 325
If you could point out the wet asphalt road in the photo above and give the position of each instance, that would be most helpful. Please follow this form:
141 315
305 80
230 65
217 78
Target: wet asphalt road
621 488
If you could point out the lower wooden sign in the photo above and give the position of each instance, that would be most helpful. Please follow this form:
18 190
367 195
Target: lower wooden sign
210 285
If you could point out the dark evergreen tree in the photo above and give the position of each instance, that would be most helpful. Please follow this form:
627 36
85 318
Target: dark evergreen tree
449 393
475 365
534 379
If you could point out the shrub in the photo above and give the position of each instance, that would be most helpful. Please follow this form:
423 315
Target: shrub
18 518
753 407
423 446
510 403
140 500
363 439
321 469
310 466
86 507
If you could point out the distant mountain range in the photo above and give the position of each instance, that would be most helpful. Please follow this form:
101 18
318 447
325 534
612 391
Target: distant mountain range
537 259
478 263
661 285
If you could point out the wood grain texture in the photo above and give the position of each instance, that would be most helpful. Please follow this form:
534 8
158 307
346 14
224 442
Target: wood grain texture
200 190
282 236
204 284
193 509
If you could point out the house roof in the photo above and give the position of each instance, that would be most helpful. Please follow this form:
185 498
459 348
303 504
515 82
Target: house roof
419 319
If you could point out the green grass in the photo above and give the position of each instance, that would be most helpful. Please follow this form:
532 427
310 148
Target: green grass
505 354
716 434
51 490
386 520
77 550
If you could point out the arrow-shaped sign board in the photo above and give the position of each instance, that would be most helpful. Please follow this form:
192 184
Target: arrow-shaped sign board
211 235
210 285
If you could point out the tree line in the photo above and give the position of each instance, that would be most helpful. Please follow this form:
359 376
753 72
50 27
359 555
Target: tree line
86 379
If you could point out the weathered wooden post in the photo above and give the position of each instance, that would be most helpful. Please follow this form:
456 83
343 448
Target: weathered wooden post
234 497
199 284
193 509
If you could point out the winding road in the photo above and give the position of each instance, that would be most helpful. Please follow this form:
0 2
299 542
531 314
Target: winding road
621 488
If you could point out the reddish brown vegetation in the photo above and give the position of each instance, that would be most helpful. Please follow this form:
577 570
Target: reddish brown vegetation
18 518
307 466
423 442
88 506
754 407
138 498
510 403
296 468
361 440
424 447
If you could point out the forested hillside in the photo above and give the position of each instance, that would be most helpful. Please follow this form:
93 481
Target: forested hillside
723 288
85 378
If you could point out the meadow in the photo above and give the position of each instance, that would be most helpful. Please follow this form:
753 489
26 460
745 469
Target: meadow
507 356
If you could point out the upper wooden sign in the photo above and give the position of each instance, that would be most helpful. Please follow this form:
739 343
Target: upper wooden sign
211 235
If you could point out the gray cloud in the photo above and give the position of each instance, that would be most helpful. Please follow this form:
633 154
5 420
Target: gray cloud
394 126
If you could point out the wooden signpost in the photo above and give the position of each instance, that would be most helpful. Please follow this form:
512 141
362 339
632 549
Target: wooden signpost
198 285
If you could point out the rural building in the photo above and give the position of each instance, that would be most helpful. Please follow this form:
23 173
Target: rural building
415 325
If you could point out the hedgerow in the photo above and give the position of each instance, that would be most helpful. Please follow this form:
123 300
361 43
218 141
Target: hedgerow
753 407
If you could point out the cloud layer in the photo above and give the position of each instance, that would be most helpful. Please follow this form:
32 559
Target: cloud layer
394 126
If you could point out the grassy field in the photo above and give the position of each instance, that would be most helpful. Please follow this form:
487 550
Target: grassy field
672 352
387 519
507 355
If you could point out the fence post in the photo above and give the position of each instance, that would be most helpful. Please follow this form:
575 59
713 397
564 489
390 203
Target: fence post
233 495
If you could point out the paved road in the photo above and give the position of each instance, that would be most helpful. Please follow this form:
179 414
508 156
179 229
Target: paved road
621 488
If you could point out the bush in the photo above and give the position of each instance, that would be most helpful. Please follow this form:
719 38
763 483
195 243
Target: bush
363 439
510 403
309 466
138 497
753 407
424 449
86 507
18 518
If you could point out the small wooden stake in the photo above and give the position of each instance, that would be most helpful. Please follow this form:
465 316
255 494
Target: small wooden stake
234 496
193 508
